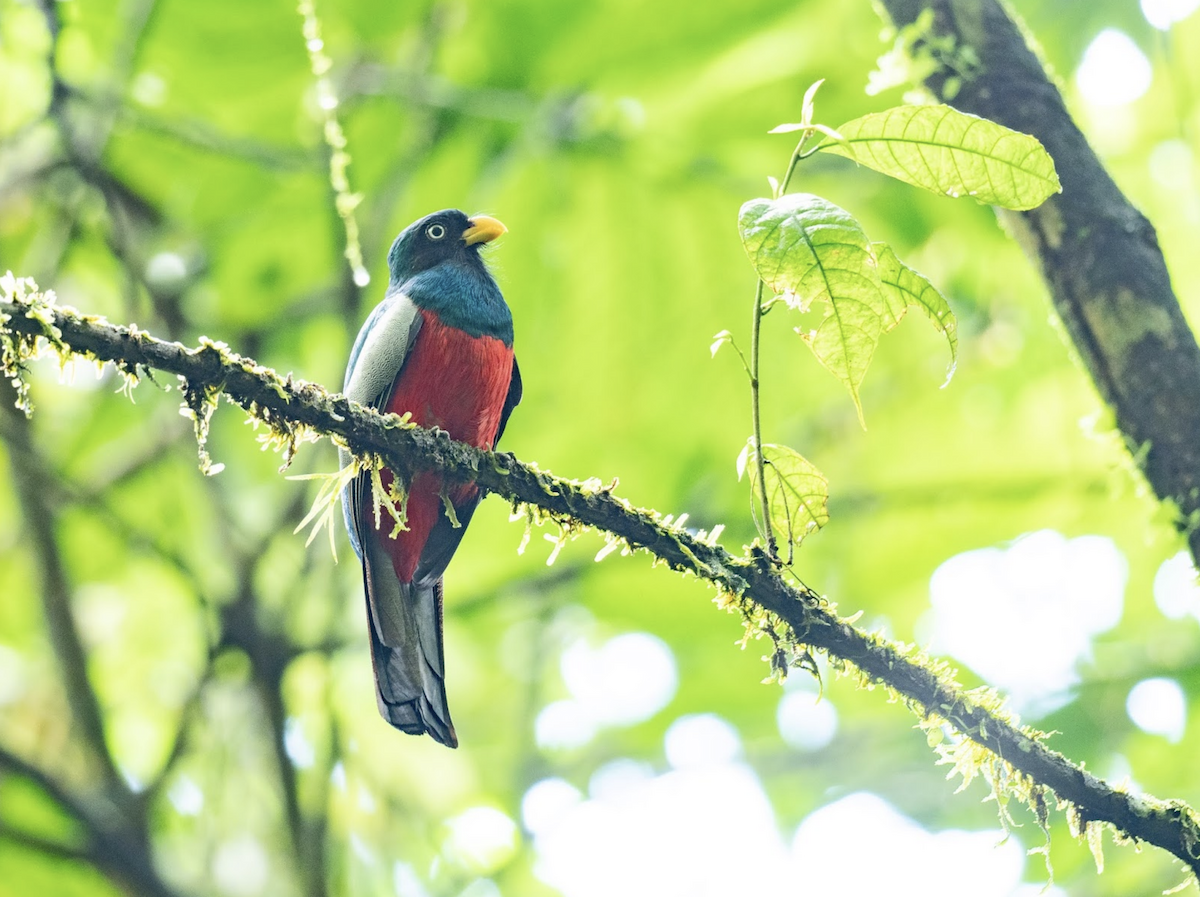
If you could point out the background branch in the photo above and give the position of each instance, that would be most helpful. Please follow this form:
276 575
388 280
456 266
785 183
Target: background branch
35 490
1098 254
120 850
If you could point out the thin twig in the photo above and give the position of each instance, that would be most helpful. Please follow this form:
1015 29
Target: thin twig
756 420
752 369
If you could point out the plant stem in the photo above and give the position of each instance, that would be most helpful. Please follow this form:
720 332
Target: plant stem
756 417
791 168
797 155
755 409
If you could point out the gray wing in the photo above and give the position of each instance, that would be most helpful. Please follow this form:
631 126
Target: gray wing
379 353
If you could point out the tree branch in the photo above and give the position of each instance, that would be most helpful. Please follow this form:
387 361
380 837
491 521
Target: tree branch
34 492
1098 254
119 852
53 789
38 844
1018 761
270 654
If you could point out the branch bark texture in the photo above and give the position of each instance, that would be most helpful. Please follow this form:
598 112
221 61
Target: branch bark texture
1097 253
749 581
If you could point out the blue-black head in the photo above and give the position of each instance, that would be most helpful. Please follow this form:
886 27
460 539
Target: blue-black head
435 262
445 236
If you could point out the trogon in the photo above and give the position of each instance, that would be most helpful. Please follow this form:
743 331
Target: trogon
439 347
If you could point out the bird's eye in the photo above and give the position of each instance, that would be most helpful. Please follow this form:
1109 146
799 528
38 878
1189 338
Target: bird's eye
435 231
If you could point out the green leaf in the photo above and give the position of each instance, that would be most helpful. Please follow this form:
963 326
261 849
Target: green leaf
808 249
719 340
743 459
806 114
902 287
952 153
797 492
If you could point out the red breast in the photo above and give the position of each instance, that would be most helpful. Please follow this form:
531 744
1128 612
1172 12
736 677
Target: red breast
456 382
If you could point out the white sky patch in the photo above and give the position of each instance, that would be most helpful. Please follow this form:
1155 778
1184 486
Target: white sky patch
1119 772
1023 617
1114 71
1176 590
361 850
685 833
618 777
705 828
563 726
186 797
13 678
627 680
166 270
299 749
805 723
1162 14
861 846
240 867
546 803
481 839
149 89
1159 707
406 882
481 887
701 740
1172 164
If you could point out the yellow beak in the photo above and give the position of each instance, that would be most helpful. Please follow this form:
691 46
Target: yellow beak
483 230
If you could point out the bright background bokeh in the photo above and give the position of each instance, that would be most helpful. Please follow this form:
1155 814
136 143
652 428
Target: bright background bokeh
614 738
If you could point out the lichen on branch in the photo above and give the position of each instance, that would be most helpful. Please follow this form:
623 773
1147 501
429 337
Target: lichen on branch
1013 759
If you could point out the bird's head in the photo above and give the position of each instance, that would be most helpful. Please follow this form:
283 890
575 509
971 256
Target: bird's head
445 236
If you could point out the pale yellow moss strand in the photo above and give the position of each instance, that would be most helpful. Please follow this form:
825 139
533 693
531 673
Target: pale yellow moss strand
339 159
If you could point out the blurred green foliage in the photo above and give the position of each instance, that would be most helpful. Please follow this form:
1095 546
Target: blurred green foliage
171 170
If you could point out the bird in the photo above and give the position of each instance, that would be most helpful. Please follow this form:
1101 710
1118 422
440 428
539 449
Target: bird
439 347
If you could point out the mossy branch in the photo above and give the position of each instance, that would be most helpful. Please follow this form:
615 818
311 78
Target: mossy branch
986 739
1099 255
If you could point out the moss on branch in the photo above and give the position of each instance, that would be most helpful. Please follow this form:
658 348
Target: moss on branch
988 740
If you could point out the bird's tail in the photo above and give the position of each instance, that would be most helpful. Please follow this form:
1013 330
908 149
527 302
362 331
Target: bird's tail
405 621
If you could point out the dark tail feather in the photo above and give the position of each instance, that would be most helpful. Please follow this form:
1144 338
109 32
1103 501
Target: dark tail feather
406 650
410 707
